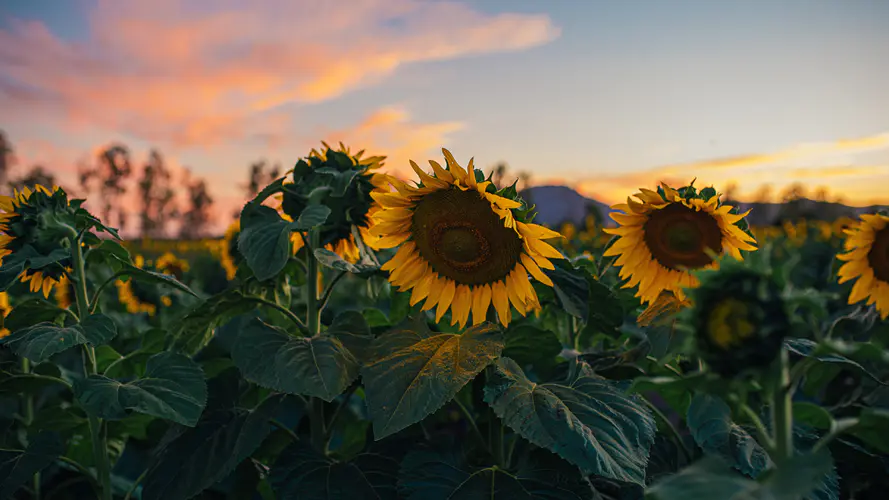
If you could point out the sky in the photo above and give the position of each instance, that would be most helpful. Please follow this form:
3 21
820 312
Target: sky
603 96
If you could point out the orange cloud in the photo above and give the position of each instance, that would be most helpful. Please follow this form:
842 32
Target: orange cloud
190 73
844 171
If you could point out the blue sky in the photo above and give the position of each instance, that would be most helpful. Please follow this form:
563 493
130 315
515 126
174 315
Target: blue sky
601 95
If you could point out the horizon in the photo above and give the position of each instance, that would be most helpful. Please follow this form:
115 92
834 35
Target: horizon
602 97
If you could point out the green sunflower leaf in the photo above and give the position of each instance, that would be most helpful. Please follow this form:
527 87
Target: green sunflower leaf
173 388
146 276
197 327
810 349
585 419
39 342
427 475
302 472
18 467
312 216
571 289
710 422
108 252
199 457
264 240
319 366
352 330
708 478
415 372
30 311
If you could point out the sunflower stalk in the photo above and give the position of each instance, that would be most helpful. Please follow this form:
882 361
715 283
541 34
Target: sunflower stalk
782 409
29 419
99 442
313 322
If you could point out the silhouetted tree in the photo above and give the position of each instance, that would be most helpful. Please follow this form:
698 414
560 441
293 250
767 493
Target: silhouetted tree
728 194
111 170
157 196
763 194
36 175
260 177
5 158
196 218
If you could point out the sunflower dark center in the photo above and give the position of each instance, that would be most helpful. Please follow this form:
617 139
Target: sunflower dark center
878 256
459 235
679 236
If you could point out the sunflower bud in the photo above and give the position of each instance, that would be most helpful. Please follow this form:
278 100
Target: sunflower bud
739 318
341 181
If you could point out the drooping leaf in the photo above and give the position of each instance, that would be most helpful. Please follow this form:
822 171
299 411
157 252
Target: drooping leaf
707 479
871 428
527 344
333 260
319 366
197 327
810 349
710 422
264 240
429 475
414 373
606 312
586 419
797 477
571 289
173 388
17 468
197 458
39 342
301 472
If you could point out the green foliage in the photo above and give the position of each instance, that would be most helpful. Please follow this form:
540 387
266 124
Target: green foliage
527 344
191 460
173 388
302 472
264 240
585 419
39 342
710 422
414 371
17 467
319 366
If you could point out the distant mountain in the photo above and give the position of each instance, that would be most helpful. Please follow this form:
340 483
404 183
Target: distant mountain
558 204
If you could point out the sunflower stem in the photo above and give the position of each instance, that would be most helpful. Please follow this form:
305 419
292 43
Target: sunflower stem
782 409
100 446
29 418
313 322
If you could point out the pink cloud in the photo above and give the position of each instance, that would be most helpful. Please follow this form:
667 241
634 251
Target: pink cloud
188 73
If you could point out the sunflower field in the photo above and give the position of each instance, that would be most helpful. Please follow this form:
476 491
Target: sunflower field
357 336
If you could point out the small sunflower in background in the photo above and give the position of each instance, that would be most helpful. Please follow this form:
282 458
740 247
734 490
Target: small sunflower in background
739 318
168 263
23 228
4 311
65 294
669 233
463 245
867 261
351 178
229 255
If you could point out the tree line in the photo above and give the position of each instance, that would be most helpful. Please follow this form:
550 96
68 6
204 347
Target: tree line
108 179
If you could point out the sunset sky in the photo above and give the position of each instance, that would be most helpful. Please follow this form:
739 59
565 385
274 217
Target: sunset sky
605 96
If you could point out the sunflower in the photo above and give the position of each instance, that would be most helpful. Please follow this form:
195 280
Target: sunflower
354 177
668 234
739 318
168 263
229 256
4 311
867 259
463 245
20 229
65 293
